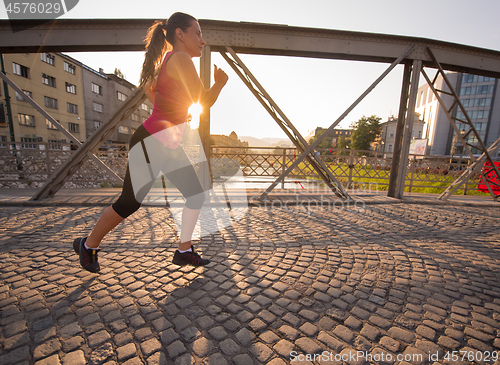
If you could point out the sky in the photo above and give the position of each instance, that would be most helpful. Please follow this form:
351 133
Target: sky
311 92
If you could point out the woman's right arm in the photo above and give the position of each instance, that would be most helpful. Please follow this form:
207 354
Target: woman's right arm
183 70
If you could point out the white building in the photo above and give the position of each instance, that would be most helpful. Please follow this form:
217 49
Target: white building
481 101
388 134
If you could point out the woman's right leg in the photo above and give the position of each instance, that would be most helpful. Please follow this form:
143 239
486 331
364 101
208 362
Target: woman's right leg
109 220
127 204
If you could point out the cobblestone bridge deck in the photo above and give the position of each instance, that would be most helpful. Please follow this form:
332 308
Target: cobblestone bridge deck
399 280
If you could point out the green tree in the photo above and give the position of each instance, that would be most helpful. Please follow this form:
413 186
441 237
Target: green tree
326 143
365 131
119 73
343 143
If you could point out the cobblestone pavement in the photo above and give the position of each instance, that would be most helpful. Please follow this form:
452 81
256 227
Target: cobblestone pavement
403 280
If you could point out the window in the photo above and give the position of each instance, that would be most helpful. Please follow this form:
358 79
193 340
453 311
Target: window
20 97
49 124
72 108
54 144
49 80
122 129
48 58
73 127
484 79
480 102
25 119
390 148
121 96
96 124
465 102
68 67
419 134
482 89
391 135
469 78
21 70
50 102
70 88
28 143
144 107
96 89
135 117
97 107
3 141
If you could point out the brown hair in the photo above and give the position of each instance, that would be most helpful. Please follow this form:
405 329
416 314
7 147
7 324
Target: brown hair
160 39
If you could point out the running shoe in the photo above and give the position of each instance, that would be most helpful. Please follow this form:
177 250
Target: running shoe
189 258
88 258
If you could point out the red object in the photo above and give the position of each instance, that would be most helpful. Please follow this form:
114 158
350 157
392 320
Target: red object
491 177
298 182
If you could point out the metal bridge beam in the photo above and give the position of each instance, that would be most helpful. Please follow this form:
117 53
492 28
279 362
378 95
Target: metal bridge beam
285 124
72 35
396 154
76 160
330 129
475 167
472 130
410 116
64 131
80 35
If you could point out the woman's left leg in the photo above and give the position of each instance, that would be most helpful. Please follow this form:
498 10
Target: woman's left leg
186 181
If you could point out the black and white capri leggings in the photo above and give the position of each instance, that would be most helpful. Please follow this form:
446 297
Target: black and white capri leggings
148 157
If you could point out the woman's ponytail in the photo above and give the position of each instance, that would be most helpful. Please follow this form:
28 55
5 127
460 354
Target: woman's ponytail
160 39
156 46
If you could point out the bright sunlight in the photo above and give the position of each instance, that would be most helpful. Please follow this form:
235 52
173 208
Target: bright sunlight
195 110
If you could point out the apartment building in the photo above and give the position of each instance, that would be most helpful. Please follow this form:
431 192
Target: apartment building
54 82
480 98
78 97
386 141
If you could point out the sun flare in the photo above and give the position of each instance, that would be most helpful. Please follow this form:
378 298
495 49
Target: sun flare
195 110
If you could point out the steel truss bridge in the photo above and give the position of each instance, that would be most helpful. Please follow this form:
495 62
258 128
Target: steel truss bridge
233 38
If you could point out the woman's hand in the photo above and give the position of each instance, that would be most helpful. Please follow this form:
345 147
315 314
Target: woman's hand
220 76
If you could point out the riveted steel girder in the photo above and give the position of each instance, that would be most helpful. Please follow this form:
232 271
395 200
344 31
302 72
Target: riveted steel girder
79 35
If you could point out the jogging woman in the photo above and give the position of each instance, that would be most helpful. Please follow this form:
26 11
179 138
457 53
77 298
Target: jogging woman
170 81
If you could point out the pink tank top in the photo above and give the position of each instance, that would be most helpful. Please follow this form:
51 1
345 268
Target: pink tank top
170 110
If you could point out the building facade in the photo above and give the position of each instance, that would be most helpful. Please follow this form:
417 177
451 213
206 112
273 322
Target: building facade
78 97
385 143
480 98
104 95
335 134
54 82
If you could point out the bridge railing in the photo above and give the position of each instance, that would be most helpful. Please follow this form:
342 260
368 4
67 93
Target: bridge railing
29 164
